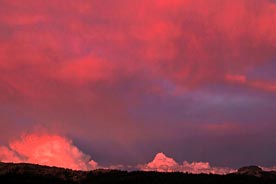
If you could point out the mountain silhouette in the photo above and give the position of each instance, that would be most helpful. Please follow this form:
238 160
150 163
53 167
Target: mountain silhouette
251 170
22 173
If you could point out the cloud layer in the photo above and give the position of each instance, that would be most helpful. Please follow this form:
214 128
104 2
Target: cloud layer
188 43
180 71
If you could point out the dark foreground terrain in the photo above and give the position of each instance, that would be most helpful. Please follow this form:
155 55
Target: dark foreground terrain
30 173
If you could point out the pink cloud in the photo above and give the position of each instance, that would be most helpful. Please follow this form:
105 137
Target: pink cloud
50 150
236 78
263 85
194 43
189 43
221 128
162 163
257 84
84 70
7 155
204 167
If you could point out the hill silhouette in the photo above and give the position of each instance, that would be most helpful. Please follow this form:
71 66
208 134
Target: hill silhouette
30 173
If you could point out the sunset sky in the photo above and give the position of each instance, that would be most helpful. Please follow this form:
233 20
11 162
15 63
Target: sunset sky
114 82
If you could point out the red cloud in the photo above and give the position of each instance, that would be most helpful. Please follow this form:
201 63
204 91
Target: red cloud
236 78
51 150
189 43
88 69
7 155
257 84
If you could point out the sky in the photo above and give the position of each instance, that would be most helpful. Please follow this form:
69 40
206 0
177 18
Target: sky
119 83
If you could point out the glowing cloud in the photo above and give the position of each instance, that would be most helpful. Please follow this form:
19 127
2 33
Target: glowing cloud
50 150
204 167
7 155
258 84
162 163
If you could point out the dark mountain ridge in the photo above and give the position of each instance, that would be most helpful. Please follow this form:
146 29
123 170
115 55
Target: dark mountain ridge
30 173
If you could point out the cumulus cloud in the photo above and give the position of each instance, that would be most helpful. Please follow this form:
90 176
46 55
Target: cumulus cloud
162 163
50 150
